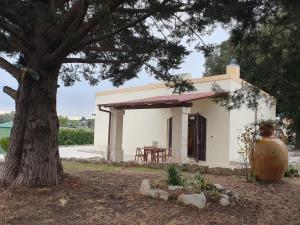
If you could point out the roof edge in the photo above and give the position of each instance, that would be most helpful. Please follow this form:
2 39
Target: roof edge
162 85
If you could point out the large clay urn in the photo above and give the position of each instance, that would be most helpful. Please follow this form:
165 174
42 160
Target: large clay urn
270 156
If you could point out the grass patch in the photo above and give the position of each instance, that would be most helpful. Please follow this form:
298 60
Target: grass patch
69 165
144 169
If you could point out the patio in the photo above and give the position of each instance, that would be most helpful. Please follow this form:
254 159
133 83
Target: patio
180 106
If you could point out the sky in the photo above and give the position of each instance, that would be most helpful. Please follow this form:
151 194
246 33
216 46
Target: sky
79 99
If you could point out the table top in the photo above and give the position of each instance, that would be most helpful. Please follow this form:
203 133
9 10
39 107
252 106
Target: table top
153 148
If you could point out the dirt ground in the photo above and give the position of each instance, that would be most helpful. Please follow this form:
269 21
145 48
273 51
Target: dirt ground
109 195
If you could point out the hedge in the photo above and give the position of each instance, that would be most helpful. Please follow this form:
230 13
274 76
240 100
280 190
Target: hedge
4 144
65 137
75 137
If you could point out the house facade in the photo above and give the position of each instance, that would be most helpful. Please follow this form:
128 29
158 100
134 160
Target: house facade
193 125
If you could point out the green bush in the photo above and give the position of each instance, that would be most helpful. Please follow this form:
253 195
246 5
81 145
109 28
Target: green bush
292 171
4 144
75 137
174 176
199 183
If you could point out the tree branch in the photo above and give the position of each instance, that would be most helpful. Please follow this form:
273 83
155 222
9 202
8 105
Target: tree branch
14 31
11 92
91 61
11 13
67 45
10 68
125 26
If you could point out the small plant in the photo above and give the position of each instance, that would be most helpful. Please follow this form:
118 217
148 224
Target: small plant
199 183
4 143
174 176
246 141
292 171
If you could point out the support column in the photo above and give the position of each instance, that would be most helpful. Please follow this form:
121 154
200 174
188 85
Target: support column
180 117
116 135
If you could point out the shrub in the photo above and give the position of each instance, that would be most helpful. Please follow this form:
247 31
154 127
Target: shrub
75 137
199 183
174 176
4 143
292 171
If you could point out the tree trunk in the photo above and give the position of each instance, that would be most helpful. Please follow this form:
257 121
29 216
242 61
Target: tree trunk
297 141
33 156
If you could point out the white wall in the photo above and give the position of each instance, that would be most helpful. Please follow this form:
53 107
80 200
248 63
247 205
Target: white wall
239 118
217 131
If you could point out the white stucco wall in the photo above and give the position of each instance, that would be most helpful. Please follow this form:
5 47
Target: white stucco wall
239 118
217 131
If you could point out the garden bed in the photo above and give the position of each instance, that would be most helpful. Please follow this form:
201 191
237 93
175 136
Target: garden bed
107 194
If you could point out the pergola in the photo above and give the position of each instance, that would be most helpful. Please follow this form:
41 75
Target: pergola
180 105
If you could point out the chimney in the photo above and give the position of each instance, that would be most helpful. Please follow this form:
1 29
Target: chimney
233 69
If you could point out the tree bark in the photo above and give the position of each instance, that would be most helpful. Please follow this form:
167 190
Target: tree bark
33 156
297 140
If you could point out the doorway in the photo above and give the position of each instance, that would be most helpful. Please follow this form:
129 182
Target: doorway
197 137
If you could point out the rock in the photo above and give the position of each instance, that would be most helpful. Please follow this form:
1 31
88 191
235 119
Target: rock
157 193
175 188
189 188
221 171
219 187
145 187
197 200
235 195
224 202
239 171
63 201
224 196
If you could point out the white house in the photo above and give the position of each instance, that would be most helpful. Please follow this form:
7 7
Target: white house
192 125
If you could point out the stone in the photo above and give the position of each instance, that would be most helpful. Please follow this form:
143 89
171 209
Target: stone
239 171
219 187
175 188
197 200
224 196
224 202
145 187
235 195
63 202
221 171
157 193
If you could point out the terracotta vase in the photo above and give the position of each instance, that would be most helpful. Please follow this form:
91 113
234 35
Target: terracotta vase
270 159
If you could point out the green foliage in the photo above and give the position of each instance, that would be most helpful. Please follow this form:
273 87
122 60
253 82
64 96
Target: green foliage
292 171
199 183
7 117
4 143
268 55
174 176
63 121
75 137
246 140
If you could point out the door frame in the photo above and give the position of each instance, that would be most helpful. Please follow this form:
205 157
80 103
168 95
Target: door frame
199 137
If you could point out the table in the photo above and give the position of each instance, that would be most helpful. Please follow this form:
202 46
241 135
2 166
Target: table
155 153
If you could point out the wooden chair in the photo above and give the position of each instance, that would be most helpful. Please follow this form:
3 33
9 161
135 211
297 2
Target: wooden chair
139 154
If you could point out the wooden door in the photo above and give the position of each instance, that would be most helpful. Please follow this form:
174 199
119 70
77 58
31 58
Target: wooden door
200 137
